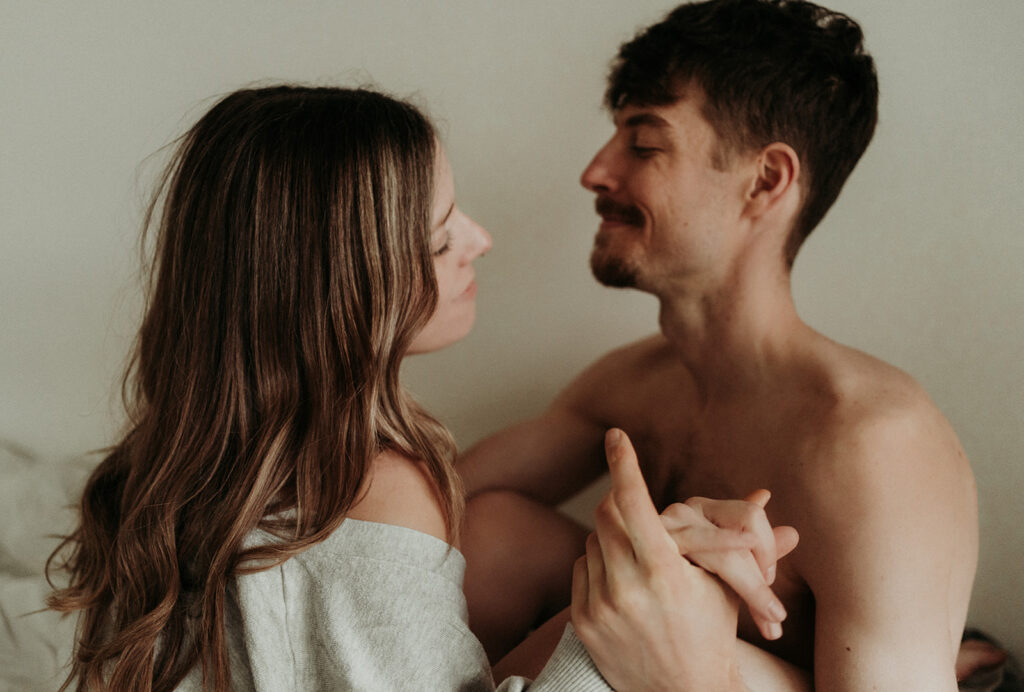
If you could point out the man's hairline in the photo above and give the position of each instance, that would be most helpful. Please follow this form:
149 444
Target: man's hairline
724 148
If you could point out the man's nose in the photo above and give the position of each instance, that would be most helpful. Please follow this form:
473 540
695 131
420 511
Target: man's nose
599 175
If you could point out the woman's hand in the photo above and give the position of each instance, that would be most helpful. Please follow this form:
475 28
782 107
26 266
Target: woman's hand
749 570
650 619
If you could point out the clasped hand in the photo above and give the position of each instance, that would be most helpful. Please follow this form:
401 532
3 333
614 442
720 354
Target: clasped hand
645 603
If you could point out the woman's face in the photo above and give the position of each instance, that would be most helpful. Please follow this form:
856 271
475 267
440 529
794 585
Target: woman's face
456 241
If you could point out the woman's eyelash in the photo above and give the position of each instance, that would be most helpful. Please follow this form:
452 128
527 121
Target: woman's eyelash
447 244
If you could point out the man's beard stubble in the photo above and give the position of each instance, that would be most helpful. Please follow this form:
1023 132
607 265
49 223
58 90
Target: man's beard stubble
609 269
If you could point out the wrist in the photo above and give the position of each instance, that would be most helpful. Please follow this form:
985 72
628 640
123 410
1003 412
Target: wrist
722 677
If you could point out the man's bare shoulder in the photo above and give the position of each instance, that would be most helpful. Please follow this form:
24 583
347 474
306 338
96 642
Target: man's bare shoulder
554 455
867 387
651 351
877 422
621 374
883 456
873 404
886 506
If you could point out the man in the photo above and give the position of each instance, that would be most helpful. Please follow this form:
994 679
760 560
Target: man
736 124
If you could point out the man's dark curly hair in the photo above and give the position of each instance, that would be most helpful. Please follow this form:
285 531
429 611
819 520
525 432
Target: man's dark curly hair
771 71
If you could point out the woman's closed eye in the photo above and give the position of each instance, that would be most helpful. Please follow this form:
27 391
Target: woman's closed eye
446 246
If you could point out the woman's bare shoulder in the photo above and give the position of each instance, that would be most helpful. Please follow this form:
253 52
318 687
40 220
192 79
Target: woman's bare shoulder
400 491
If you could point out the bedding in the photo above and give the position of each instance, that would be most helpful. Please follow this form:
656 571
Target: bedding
35 499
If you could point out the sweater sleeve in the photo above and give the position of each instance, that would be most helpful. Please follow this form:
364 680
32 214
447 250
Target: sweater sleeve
382 609
569 668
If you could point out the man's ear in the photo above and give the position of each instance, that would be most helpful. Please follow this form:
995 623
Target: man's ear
776 178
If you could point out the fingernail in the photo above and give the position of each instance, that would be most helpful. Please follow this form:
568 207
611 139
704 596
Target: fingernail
777 611
774 630
770 577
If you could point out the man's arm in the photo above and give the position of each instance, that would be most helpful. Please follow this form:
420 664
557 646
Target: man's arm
519 549
552 457
548 458
888 549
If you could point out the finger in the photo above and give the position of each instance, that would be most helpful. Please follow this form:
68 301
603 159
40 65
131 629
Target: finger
630 494
742 515
740 571
596 582
685 523
700 538
580 590
611 531
786 540
759 497
618 559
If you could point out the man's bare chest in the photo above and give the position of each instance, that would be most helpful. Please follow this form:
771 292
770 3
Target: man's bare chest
728 460
721 459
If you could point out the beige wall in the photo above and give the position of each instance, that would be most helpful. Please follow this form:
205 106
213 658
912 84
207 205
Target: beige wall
919 263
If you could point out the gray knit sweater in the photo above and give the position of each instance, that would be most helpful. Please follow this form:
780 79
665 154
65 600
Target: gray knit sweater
373 607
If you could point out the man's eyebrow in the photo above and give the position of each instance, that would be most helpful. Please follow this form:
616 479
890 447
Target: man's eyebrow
446 216
649 119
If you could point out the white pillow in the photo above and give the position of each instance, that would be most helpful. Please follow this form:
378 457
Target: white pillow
35 506
36 498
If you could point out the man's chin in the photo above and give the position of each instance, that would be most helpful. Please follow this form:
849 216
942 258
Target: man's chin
612 271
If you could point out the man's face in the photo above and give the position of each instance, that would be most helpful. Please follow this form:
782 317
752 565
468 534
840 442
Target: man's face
667 197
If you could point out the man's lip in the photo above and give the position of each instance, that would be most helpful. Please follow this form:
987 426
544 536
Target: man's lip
616 221
615 212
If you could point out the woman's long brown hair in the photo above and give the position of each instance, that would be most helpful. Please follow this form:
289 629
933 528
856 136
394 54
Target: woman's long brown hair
292 268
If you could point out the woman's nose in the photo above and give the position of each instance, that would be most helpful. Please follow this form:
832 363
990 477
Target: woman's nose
486 241
480 240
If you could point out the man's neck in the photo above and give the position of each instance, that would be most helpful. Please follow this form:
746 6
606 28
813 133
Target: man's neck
735 334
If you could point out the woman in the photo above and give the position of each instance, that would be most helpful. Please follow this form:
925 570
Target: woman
252 528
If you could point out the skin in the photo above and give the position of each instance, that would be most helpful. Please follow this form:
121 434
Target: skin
457 241
400 491
737 393
612 584
633 576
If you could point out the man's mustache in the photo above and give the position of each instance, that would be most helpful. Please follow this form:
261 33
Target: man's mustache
610 210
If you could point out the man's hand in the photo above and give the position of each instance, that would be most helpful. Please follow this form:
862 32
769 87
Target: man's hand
649 618
749 570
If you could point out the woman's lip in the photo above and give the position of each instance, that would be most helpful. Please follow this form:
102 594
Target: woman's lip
470 289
